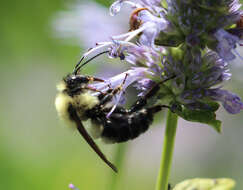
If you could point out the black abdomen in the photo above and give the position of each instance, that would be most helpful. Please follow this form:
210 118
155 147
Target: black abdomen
121 127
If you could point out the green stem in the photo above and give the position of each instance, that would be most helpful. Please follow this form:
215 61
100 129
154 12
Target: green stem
118 161
167 154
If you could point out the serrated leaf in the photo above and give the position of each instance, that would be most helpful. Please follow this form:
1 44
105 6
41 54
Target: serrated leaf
206 184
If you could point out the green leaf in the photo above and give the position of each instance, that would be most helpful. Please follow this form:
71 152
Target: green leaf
202 116
206 184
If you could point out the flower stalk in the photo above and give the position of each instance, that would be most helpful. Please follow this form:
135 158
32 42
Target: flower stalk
167 154
119 158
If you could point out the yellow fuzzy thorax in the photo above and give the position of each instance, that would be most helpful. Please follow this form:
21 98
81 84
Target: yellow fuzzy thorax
85 101
81 103
62 102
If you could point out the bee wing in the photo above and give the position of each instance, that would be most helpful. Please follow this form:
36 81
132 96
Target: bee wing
90 141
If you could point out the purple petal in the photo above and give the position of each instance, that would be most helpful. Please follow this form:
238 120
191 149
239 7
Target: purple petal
231 102
226 43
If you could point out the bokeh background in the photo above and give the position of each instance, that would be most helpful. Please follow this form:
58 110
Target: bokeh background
40 41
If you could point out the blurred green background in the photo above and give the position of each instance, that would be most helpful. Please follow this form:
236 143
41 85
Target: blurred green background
37 151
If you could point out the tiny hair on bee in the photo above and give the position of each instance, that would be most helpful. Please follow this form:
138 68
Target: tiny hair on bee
78 66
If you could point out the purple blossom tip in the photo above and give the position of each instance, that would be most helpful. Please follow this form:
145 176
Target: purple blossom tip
231 102
226 44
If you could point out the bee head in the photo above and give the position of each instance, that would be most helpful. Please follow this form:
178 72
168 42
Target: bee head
75 83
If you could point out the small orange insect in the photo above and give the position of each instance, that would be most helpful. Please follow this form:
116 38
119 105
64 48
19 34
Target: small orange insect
133 21
239 23
238 29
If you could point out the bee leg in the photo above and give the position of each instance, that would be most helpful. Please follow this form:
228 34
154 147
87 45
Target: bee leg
91 78
141 102
111 92
120 87
156 108
93 89
115 91
98 79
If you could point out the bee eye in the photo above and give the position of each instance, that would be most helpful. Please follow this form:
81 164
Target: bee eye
82 79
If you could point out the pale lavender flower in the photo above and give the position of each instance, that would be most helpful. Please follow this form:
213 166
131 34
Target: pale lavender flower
152 3
132 75
152 22
231 102
144 85
151 19
226 44
124 79
145 56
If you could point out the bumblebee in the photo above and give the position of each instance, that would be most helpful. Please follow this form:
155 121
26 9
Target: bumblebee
76 103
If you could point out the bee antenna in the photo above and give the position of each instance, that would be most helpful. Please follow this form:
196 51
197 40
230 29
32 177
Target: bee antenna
78 66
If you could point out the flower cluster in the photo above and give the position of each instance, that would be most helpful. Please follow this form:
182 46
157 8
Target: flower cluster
189 42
